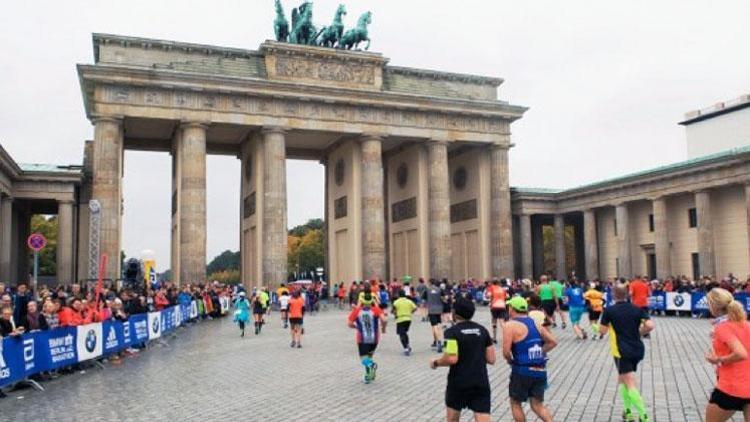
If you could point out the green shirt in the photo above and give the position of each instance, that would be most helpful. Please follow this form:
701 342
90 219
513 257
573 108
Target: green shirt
545 292
558 288
404 308
264 299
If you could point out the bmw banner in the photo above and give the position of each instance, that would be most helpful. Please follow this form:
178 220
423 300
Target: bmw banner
167 321
61 347
657 301
678 301
138 328
154 325
89 344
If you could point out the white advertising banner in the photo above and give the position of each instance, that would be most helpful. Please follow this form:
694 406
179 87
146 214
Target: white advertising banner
89 341
678 301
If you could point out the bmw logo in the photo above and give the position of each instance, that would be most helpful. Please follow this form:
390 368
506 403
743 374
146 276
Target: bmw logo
91 341
679 301
155 325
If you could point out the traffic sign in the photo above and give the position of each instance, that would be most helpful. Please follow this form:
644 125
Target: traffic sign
36 241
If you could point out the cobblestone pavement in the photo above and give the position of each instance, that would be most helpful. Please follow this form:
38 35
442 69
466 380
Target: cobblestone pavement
209 373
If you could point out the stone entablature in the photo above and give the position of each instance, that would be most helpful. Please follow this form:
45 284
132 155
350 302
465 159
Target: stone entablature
319 85
729 168
38 181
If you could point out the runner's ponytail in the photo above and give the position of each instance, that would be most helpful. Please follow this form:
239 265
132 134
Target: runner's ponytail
736 312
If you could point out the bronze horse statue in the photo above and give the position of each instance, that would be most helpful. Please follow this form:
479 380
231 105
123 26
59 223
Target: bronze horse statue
329 36
353 37
303 29
280 24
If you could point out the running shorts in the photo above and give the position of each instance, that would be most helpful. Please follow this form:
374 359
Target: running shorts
284 308
295 321
477 399
727 402
522 387
549 307
499 313
383 306
259 311
626 365
446 308
575 314
402 327
434 319
366 349
594 315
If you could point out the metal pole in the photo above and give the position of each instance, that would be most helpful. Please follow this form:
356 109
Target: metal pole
36 273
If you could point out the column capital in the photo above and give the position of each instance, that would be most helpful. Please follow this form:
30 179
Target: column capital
66 201
274 129
372 136
701 190
445 142
97 118
505 147
186 124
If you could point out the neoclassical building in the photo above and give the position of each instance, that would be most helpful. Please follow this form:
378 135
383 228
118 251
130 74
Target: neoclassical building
416 172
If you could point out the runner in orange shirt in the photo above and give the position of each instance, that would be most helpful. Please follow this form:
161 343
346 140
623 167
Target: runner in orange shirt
497 295
296 313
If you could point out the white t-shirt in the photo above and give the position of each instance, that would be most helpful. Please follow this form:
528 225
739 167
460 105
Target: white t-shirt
284 301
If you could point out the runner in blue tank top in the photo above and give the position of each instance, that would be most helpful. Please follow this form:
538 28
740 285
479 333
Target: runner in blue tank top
525 347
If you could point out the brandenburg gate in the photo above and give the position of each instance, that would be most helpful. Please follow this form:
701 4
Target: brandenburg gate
416 161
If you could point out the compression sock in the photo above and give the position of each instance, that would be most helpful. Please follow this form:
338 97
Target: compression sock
637 401
625 394
595 328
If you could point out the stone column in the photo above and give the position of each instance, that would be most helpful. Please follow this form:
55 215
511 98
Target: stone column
623 240
661 238
65 242
107 189
501 219
6 238
527 257
373 220
439 210
559 226
274 207
706 259
191 152
591 244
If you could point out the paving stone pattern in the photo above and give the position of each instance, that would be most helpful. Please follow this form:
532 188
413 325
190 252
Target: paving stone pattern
209 373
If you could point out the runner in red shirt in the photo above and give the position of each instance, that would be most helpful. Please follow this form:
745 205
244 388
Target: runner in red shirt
639 292
497 295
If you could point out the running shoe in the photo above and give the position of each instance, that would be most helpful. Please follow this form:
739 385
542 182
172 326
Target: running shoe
373 371
440 348
627 416
563 325
407 351
643 418
299 345
293 344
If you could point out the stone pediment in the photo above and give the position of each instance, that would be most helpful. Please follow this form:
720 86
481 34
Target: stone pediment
323 66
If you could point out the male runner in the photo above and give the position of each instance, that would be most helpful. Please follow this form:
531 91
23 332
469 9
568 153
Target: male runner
627 323
421 292
576 306
525 347
468 351
384 299
497 296
403 308
545 292
365 318
296 313
558 291
284 308
434 311
595 299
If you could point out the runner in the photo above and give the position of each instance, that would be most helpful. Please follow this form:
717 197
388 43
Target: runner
576 306
242 314
420 298
468 351
434 310
258 311
365 318
595 298
525 347
535 310
284 308
384 300
296 314
403 308
448 294
628 323
639 293
558 291
265 299
547 294
731 342
497 295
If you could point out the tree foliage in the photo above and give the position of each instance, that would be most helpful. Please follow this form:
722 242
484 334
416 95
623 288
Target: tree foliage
306 247
312 224
225 276
47 226
225 261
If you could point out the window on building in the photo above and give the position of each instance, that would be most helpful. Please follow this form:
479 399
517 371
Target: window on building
615 224
651 222
693 217
696 265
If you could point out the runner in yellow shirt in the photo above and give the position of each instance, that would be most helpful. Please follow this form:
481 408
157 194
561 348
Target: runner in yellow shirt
595 298
403 308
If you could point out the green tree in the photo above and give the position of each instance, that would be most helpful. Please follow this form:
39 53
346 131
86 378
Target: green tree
226 260
312 224
47 226
311 250
548 242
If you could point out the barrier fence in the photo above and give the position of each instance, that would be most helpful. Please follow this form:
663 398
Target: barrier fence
31 353
694 302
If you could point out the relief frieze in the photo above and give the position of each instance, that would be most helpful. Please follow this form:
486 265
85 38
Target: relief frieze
326 70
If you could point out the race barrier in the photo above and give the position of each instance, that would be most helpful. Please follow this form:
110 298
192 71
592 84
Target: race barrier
39 351
694 302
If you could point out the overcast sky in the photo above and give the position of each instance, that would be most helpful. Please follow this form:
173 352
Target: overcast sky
606 83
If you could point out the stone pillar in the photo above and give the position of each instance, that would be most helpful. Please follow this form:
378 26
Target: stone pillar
559 226
661 239
439 210
373 220
501 219
706 259
6 238
65 242
623 240
191 152
107 189
274 207
591 244
527 256
537 240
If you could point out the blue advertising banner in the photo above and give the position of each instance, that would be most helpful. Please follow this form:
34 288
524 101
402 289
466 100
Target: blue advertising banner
743 298
11 360
657 301
138 328
61 347
699 302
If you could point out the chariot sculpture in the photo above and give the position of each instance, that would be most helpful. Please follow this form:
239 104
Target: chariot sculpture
303 30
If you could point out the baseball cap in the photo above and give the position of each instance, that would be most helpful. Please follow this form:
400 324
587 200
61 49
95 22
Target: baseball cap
518 303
